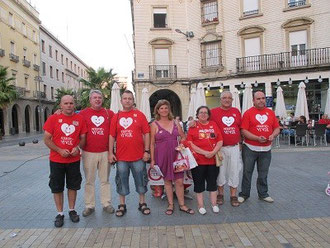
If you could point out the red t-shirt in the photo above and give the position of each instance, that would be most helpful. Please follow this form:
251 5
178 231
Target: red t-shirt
205 137
259 122
324 121
229 122
65 131
98 126
128 128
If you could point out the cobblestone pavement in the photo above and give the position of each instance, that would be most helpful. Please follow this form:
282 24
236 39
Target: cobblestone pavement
298 217
313 232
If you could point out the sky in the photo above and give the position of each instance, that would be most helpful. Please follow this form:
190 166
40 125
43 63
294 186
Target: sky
99 32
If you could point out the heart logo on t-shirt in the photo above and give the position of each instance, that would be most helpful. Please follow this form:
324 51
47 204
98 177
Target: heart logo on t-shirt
97 120
228 121
67 129
261 118
125 122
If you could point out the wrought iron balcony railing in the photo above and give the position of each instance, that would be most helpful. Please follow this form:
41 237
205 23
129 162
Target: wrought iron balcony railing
284 61
251 12
36 67
2 52
13 57
293 3
39 94
162 72
21 91
26 63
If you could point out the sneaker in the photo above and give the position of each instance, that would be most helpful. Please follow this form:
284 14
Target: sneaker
215 209
74 217
267 199
88 211
59 220
202 211
109 209
241 199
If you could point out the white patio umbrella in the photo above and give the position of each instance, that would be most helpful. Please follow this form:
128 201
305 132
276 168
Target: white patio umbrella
191 109
115 105
327 104
236 102
280 104
301 105
145 105
200 97
247 97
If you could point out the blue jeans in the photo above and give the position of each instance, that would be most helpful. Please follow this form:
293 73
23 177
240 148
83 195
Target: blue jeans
263 162
140 176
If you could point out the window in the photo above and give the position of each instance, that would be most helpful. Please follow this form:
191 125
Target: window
12 47
26 82
62 59
75 67
298 46
250 7
252 48
160 17
67 62
24 28
71 65
210 11
43 46
51 71
52 92
78 70
35 59
162 62
211 54
34 36
14 73
11 19
56 55
50 51
45 88
63 79
296 3
24 53
43 68
57 76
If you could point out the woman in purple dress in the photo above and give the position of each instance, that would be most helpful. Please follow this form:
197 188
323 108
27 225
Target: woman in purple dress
165 133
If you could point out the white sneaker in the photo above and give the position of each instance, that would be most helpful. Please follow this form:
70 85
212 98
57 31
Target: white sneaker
202 211
241 199
215 209
267 199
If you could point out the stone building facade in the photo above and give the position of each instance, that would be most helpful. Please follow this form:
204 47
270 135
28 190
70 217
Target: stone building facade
226 44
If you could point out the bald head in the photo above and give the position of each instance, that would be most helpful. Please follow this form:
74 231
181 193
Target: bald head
226 100
67 105
259 100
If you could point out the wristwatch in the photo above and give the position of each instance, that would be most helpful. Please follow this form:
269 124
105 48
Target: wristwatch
147 151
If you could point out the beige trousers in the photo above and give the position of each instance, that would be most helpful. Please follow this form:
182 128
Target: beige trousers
96 162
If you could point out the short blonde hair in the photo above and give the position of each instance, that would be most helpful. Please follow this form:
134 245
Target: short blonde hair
157 107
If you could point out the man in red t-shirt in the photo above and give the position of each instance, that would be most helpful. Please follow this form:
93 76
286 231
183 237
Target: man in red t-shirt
64 133
228 120
95 153
325 120
259 128
130 129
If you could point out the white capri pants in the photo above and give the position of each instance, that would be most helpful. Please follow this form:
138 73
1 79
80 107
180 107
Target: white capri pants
231 166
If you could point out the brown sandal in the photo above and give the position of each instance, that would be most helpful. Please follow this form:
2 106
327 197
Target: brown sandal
169 210
234 201
220 199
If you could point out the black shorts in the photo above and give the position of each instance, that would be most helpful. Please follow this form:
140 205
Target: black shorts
61 172
202 173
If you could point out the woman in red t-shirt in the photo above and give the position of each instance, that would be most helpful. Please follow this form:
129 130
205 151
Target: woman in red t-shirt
205 140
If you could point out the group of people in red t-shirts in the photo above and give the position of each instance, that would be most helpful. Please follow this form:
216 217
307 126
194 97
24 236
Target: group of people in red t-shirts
125 138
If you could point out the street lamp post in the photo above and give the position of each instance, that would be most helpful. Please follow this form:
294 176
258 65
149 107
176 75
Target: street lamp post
38 80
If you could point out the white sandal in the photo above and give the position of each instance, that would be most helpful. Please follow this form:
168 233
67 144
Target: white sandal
202 211
215 209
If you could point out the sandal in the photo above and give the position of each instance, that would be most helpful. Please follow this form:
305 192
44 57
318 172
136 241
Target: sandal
188 210
234 201
220 199
144 209
169 211
121 211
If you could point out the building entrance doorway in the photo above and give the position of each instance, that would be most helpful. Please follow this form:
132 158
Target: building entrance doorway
169 96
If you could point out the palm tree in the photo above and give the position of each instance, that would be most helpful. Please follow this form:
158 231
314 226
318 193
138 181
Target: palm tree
101 80
62 92
8 91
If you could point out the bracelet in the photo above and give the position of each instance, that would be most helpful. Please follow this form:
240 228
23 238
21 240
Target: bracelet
147 151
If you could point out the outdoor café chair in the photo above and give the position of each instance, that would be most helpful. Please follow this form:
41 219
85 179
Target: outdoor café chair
320 131
301 132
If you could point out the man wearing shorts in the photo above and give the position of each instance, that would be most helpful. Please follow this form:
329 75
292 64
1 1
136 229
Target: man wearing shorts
95 153
64 133
228 120
130 129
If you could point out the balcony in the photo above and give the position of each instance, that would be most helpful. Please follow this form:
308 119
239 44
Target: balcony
301 59
162 72
36 67
13 57
293 3
21 91
2 52
39 94
26 63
